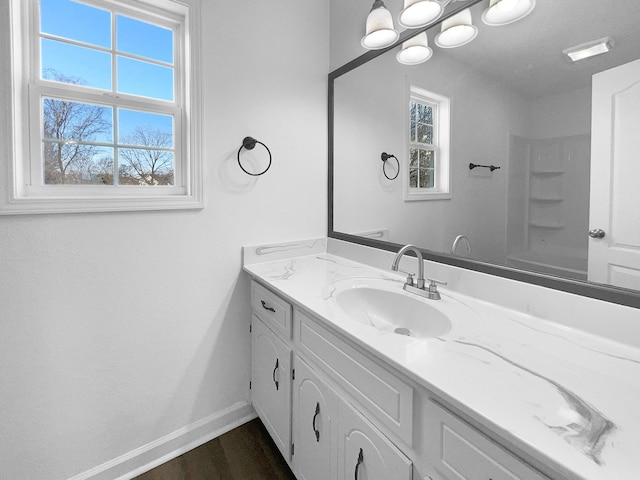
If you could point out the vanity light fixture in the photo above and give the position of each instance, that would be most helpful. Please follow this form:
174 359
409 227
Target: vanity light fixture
504 12
419 13
379 30
415 50
589 49
457 30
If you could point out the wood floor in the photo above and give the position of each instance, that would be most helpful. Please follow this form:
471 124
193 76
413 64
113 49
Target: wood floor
245 453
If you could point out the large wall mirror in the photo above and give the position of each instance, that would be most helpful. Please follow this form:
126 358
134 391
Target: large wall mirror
563 208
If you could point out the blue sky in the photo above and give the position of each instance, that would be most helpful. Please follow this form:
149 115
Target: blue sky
92 26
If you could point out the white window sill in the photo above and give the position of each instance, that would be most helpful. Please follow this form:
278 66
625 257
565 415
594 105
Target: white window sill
42 205
422 196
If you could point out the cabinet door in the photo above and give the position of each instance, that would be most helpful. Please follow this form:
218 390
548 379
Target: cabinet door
364 453
271 385
460 452
314 423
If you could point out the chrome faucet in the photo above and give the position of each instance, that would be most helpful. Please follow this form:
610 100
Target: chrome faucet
417 287
460 238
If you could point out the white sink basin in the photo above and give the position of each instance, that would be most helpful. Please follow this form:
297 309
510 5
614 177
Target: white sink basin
393 312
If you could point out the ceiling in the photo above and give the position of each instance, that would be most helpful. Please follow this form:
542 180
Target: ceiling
528 54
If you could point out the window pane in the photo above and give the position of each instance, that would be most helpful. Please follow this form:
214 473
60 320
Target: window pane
413 132
413 107
145 79
145 129
76 163
144 39
421 113
426 158
63 62
425 134
413 178
426 178
426 114
77 122
141 166
413 157
73 20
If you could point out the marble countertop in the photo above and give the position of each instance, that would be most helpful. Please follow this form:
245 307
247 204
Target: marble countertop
569 398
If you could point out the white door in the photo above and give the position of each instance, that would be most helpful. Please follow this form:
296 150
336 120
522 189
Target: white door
314 424
270 384
614 209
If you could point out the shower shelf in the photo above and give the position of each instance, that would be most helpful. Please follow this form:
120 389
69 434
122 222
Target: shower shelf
546 199
547 225
547 172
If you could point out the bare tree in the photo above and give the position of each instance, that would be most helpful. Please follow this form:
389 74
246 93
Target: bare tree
150 163
67 125
71 130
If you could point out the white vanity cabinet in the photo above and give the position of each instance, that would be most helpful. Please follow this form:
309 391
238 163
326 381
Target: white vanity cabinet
339 413
270 383
306 406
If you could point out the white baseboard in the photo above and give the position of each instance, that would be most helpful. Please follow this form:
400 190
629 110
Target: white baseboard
172 445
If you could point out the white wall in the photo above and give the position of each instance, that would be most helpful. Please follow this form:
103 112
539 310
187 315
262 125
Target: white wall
117 329
347 29
562 115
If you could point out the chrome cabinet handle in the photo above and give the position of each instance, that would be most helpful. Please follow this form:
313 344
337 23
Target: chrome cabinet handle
596 233
273 375
315 415
267 307
360 460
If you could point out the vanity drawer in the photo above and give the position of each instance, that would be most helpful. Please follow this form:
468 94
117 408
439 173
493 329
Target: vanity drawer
460 452
272 309
382 394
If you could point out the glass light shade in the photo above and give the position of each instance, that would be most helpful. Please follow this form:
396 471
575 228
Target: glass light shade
379 31
457 31
415 50
418 13
504 12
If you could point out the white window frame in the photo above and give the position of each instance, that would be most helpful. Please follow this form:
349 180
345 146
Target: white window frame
441 146
19 194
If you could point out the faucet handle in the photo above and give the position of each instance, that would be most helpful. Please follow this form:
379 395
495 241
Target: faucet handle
433 288
409 280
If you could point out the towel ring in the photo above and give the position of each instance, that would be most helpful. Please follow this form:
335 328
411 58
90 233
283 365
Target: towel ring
384 157
249 143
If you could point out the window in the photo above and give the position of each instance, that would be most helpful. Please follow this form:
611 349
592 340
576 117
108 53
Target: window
427 171
106 92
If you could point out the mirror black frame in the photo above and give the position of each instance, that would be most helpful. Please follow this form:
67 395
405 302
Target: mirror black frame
607 293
